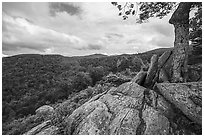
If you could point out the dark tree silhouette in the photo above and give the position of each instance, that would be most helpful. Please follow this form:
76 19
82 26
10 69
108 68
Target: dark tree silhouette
180 20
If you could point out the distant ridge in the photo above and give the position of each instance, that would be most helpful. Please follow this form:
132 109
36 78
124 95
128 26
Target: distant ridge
155 51
94 56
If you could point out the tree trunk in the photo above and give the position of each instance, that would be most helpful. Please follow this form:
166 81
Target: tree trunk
180 54
180 20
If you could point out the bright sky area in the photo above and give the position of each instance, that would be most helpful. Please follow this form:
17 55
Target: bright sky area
73 29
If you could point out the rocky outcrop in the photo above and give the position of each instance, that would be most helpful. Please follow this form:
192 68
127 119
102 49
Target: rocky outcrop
44 128
164 58
156 71
140 78
151 73
131 109
138 107
156 123
185 96
107 113
116 79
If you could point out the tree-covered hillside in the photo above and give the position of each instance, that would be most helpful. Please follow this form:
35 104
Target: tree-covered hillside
31 80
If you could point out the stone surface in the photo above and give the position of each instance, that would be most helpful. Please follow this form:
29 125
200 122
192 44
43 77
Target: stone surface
114 112
164 58
38 128
116 79
164 107
81 121
44 128
151 73
185 96
45 110
53 130
169 67
156 123
163 77
120 111
131 109
140 78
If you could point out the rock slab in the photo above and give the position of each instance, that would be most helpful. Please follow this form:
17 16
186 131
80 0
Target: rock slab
120 111
45 128
185 96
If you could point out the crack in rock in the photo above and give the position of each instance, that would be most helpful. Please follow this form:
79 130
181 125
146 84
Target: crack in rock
141 128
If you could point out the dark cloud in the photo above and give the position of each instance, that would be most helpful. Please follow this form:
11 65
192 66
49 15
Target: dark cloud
18 46
71 9
113 35
133 41
92 47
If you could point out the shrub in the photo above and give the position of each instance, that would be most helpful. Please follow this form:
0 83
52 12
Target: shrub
81 81
96 73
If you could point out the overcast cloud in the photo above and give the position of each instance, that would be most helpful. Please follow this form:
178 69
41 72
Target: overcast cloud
78 29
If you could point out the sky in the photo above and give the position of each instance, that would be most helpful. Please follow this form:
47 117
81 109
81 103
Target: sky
77 29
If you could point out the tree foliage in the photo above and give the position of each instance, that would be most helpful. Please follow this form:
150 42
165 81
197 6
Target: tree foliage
196 24
96 73
145 10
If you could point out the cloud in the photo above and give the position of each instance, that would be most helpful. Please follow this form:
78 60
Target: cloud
162 41
68 7
34 11
20 33
78 29
94 47
113 36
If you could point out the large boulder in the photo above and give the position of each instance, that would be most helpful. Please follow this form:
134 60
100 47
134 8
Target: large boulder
131 109
119 111
45 110
185 96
